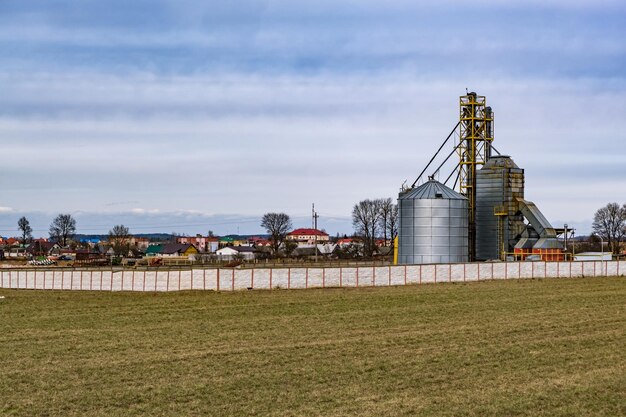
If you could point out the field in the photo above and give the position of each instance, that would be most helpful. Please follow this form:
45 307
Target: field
552 347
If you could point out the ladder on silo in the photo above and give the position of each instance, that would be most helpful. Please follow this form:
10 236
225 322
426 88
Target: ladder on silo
500 212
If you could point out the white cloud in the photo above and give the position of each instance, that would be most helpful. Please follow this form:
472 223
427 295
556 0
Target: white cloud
251 144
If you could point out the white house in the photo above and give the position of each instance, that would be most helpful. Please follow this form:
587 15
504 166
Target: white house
230 252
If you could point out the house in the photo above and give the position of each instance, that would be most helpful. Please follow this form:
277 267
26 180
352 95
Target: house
348 241
304 237
233 252
17 252
324 250
233 240
140 243
203 243
383 242
41 247
172 249
260 242
92 242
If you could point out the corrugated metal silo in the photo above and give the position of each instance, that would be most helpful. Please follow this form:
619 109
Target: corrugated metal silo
499 223
433 225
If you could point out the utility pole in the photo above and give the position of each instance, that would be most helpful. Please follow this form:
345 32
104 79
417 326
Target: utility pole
315 216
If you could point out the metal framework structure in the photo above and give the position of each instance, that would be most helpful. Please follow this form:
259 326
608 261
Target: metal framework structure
500 212
476 135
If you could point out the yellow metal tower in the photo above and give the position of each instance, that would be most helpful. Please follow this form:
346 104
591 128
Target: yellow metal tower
476 135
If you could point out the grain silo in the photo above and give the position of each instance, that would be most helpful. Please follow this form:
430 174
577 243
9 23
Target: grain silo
433 225
499 222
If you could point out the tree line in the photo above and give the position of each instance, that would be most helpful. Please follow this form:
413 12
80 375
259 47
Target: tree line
609 223
371 219
63 228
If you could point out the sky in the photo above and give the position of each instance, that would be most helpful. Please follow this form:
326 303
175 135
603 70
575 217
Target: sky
187 116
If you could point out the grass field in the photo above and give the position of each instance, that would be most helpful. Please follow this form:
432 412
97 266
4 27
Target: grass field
502 348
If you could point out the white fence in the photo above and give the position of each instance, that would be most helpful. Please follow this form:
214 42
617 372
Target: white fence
229 279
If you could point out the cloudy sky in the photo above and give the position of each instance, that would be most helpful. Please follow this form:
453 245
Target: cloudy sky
193 115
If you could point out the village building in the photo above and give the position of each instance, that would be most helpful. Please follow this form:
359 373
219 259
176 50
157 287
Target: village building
233 252
306 237
172 249
202 243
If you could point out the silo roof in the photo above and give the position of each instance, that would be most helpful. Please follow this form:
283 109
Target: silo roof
431 190
500 161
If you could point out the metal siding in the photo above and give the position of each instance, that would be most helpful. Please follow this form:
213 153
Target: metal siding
498 183
432 229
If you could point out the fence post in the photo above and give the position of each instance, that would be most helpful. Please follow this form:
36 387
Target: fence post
306 282
179 272
450 273
144 281
122 284
435 273
63 277
271 271
420 282
44 279
204 277
289 278
167 285
218 279
357 276
340 276
233 280
390 275
252 279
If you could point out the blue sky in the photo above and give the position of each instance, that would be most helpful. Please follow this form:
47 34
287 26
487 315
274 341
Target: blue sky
190 114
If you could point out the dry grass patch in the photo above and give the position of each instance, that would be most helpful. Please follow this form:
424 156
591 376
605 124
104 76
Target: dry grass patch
516 348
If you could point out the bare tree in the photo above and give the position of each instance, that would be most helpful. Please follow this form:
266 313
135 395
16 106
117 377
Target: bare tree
388 218
609 222
119 238
62 228
277 226
392 224
385 211
366 222
24 226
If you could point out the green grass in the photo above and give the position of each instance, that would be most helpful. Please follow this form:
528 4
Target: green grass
502 348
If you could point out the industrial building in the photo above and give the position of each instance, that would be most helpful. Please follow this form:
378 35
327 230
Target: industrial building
487 217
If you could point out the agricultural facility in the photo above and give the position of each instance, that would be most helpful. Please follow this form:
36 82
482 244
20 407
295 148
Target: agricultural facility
483 215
